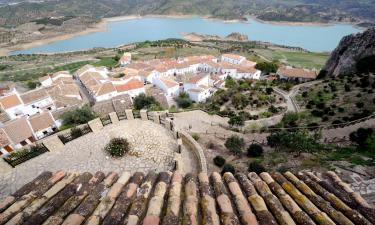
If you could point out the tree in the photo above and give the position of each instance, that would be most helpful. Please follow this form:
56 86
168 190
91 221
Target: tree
78 116
235 144
230 82
144 102
219 161
117 147
183 100
267 67
298 141
236 120
255 150
360 136
239 101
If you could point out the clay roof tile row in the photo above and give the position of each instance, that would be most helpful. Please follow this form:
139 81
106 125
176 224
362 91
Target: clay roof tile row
166 198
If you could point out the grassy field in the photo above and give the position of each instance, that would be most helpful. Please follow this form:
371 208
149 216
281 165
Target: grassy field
295 58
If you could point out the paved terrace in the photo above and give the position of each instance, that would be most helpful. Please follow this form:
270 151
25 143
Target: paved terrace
152 150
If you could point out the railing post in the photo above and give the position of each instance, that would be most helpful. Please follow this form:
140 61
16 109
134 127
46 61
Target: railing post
129 114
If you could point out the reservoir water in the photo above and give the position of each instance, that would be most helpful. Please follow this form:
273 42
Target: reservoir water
311 37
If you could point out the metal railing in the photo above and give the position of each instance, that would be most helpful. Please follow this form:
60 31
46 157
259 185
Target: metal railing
20 156
74 134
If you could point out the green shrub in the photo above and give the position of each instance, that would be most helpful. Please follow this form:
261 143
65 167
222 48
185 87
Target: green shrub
254 150
228 168
117 147
145 102
183 100
236 120
219 161
78 116
195 136
235 144
256 167
76 132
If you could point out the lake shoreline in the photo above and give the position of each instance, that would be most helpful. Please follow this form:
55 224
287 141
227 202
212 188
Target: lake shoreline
101 26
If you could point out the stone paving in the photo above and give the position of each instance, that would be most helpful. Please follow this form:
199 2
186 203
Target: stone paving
152 149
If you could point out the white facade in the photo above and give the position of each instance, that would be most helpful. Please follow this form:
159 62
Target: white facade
168 90
234 60
199 95
104 97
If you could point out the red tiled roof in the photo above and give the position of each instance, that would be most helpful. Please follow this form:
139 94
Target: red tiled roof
130 85
297 72
10 101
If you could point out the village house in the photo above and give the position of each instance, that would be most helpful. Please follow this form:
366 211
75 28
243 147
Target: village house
299 74
12 105
42 124
125 59
232 58
198 87
199 94
15 134
102 87
169 86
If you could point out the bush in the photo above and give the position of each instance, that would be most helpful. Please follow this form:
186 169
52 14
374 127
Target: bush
183 100
256 167
236 121
76 132
219 161
360 136
359 104
267 67
195 136
228 168
145 102
235 144
78 116
117 147
255 150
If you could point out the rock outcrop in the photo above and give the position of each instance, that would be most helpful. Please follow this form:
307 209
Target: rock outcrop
237 37
354 54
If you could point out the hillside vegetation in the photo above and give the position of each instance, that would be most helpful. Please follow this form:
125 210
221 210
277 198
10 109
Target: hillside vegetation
281 10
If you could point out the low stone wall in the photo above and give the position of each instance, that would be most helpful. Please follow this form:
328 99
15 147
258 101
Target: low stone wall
188 140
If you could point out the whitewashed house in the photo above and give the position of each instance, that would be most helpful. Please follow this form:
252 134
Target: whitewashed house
232 58
133 88
42 124
199 94
125 59
12 105
169 86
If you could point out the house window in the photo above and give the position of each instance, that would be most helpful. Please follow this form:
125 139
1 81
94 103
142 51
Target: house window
23 143
32 106
49 108
45 132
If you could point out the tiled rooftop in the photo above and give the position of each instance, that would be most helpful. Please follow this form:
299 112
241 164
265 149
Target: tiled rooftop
166 198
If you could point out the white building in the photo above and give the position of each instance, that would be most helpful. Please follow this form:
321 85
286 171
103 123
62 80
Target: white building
199 94
42 124
232 58
125 59
169 87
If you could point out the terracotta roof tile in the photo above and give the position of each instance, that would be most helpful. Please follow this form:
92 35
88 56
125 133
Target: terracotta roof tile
297 72
34 95
168 82
41 121
18 130
10 101
264 199
130 85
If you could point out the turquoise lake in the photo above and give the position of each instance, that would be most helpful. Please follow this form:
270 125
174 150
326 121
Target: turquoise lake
314 38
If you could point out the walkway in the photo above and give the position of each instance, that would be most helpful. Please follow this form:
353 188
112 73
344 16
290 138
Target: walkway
152 150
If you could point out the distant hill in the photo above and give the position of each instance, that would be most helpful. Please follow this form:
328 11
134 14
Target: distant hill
272 10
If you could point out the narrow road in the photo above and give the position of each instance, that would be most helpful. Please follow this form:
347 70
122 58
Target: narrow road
291 105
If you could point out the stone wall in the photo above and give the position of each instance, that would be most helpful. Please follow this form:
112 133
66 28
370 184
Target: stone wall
189 141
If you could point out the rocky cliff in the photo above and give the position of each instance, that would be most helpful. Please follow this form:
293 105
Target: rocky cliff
354 54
